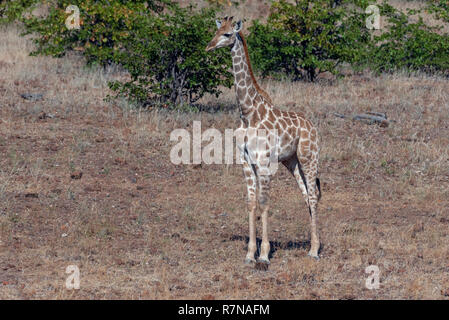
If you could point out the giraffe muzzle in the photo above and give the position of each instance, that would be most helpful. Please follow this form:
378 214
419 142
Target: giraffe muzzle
211 45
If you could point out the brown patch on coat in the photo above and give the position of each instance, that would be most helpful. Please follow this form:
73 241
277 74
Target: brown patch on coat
250 71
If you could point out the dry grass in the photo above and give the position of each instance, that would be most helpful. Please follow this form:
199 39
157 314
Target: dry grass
139 227
417 5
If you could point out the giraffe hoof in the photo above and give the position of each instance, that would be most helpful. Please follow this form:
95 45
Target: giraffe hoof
249 261
263 260
314 255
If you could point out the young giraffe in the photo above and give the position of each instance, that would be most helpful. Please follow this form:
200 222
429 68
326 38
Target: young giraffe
297 140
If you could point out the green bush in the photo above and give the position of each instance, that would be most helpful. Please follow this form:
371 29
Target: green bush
406 45
304 38
104 24
12 10
163 50
165 55
440 8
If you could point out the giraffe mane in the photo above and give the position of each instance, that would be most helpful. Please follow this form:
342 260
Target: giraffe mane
250 70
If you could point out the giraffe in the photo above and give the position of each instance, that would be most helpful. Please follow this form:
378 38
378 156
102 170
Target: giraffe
297 147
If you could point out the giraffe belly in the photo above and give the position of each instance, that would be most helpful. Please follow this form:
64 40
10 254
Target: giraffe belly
272 154
257 150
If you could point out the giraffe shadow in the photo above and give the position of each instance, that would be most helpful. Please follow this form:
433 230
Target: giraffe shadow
275 245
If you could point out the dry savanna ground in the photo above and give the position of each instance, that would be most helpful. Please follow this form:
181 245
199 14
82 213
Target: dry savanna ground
89 183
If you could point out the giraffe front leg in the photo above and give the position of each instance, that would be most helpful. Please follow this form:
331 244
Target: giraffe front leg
264 187
250 178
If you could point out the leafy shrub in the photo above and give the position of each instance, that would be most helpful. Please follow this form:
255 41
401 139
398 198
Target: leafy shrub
163 50
440 8
409 45
12 10
104 23
307 37
165 55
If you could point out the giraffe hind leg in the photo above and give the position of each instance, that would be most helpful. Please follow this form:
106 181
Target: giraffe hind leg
311 193
318 185
293 167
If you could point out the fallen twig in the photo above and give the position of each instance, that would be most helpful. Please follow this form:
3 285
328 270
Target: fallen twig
32 96
368 118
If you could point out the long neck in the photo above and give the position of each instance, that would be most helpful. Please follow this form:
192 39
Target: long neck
246 85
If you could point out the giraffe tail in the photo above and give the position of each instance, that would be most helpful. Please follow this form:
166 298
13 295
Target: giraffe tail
318 185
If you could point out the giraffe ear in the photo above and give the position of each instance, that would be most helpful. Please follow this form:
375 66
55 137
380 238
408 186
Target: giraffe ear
238 26
218 23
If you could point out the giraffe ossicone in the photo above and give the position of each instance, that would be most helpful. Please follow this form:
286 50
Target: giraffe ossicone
297 147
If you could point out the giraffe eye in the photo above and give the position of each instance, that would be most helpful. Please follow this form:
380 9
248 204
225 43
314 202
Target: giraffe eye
227 35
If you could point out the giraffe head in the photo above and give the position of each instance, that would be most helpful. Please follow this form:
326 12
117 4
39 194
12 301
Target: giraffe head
225 35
